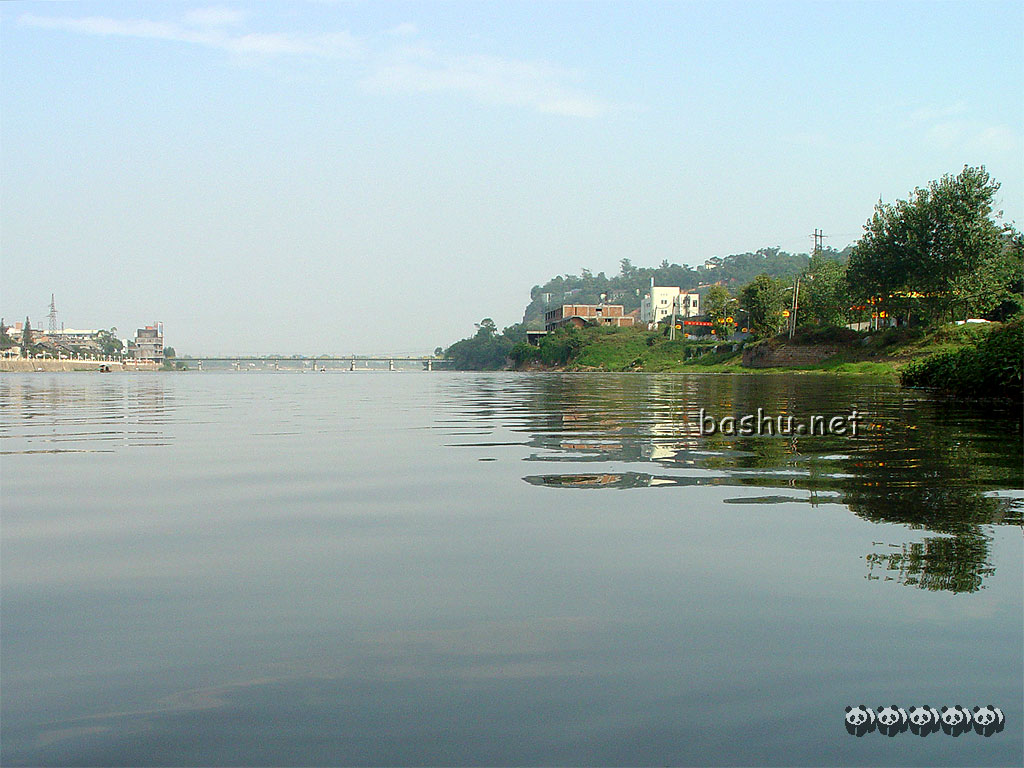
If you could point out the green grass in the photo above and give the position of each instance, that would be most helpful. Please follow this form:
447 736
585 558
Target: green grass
879 355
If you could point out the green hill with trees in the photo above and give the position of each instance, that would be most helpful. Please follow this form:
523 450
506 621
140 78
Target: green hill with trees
938 256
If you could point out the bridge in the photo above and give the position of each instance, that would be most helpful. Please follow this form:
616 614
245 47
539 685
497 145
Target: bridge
347 362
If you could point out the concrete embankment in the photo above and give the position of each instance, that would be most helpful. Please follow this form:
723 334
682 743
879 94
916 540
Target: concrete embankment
19 365
765 356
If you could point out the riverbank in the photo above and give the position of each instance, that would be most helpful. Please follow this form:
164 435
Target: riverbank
836 351
22 365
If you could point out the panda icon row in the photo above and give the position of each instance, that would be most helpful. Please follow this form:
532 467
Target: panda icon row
922 721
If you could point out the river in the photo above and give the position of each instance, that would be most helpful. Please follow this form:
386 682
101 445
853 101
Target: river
499 569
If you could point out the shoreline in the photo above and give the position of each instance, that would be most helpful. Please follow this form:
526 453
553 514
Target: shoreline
27 365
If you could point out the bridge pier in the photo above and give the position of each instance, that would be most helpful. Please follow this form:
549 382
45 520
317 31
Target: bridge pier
430 365
391 365
352 365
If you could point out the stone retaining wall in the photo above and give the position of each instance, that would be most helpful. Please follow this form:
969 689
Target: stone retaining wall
763 356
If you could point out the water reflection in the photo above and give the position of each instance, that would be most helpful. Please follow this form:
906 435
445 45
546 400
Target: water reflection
917 463
74 414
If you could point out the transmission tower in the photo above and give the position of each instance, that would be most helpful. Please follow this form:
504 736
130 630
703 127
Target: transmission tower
819 241
53 315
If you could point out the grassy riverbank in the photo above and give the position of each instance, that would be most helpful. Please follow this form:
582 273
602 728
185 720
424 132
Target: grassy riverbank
822 350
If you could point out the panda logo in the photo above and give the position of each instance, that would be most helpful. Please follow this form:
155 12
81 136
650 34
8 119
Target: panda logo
923 720
955 720
987 720
860 720
891 720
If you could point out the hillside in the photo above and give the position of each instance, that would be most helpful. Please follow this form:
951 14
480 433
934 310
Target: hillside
629 286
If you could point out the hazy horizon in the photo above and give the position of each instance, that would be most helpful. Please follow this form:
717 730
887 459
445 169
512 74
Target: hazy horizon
350 177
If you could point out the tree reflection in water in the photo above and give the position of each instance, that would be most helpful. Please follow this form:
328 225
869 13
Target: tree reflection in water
922 463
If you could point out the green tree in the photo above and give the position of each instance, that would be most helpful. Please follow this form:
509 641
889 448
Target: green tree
717 303
764 299
109 343
515 332
824 293
169 352
936 246
486 350
26 338
5 341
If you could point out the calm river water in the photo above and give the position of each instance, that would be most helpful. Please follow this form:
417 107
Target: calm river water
439 568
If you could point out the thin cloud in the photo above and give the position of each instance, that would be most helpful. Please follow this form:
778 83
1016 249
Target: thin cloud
930 114
487 79
406 29
336 45
975 137
215 17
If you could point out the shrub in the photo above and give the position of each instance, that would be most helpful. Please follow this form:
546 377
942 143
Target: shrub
994 366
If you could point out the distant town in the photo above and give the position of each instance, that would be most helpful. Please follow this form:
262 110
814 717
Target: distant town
56 342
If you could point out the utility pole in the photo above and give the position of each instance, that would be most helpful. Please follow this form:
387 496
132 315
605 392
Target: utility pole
819 246
792 311
53 315
819 242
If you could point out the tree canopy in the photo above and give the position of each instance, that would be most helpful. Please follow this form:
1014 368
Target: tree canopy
764 299
486 350
941 247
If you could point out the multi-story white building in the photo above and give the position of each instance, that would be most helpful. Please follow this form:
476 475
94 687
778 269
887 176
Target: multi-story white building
663 300
148 344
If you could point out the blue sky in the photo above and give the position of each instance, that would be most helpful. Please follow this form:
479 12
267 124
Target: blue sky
336 177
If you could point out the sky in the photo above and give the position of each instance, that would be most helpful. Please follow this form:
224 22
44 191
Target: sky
366 177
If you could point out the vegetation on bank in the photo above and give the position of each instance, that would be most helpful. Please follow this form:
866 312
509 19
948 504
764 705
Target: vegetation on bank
991 365
885 354
628 287
486 350
923 262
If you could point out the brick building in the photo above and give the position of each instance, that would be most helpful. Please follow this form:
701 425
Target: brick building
581 314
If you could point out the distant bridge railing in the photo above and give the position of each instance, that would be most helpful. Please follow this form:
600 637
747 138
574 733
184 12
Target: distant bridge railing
429 362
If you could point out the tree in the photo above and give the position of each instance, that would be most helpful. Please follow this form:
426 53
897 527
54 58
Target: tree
515 332
824 293
716 301
486 350
716 307
26 338
5 340
169 352
486 328
764 300
934 247
109 343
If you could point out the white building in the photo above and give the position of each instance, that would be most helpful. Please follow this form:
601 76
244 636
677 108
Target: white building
148 344
663 300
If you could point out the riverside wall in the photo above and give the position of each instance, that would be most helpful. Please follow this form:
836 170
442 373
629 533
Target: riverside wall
764 356
22 365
